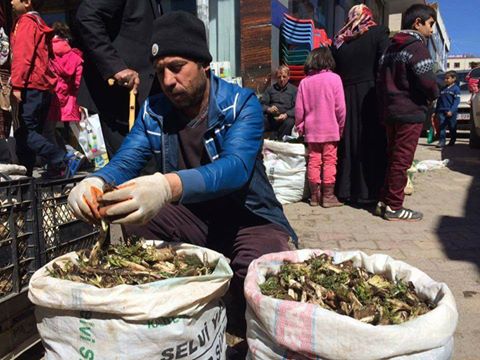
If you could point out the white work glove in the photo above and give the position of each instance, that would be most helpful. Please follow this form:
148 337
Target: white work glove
136 201
83 199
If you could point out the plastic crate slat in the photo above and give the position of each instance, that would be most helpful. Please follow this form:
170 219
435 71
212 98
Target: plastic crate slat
36 226
18 239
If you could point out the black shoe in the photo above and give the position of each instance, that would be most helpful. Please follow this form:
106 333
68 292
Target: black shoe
402 214
440 145
53 173
451 143
380 209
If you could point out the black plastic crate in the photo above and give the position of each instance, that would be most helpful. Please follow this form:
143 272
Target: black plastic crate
18 241
59 232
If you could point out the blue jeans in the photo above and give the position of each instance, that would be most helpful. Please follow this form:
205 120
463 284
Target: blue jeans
451 123
33 111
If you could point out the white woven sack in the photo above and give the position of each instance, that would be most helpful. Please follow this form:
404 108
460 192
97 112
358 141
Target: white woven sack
278 329
167 319
285 166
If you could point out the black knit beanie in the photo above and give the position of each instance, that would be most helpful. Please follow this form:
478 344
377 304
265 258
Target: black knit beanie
179 33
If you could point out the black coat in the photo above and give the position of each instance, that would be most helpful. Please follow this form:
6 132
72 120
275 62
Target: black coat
114 35
362 155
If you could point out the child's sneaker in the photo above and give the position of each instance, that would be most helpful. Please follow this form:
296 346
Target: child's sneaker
73 161
380 209
402 214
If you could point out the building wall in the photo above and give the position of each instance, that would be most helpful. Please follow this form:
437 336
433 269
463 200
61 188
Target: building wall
459 63
255 43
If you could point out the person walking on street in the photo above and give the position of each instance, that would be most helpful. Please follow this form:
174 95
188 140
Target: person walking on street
68 66
320 118
362 158
210 187
32 83
447 108
114 36
278 103
406 86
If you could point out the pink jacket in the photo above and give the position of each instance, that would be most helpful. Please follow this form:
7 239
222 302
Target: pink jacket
68 65
320 107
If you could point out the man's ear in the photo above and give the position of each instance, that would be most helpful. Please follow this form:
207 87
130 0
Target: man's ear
417 23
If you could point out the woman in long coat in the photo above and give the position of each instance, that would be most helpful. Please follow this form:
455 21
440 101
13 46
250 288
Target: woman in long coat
357 49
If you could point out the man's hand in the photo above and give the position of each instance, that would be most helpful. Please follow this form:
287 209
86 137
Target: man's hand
281 117
137 201
273 110
83 199
128 78
17 94
449 114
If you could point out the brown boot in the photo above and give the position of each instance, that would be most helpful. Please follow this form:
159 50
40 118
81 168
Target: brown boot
328 197
315 194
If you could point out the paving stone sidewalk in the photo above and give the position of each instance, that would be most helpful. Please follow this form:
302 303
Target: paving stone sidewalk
445 245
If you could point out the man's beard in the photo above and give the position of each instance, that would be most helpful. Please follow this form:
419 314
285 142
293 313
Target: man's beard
193 99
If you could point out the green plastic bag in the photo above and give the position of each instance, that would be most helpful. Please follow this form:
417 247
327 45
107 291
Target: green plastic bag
430 135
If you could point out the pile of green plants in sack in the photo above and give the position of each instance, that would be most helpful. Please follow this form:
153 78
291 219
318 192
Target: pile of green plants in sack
314 304
347 290
134 264
144 300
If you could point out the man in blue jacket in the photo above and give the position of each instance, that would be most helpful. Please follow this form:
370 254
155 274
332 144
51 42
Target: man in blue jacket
206 136
447 109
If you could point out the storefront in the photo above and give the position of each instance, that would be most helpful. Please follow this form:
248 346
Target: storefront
329 15
220 18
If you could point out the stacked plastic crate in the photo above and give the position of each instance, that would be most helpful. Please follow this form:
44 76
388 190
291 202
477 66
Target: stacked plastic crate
59 231
18 260
36 226
17 237
299 37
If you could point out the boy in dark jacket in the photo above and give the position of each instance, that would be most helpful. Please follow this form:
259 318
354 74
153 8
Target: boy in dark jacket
406 86
32 82
447 107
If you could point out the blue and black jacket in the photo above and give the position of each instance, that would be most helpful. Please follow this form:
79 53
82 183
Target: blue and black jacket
233 142
449 99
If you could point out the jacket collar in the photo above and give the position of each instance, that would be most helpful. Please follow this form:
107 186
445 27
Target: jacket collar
156 6
215 115
415 34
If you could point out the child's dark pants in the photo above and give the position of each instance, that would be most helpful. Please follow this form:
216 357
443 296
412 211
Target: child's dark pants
402 140
33 112
451 123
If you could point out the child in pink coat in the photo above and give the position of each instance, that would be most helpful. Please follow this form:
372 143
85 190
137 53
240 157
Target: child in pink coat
68 66
320 118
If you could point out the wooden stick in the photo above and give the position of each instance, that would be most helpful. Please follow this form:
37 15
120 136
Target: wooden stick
131 114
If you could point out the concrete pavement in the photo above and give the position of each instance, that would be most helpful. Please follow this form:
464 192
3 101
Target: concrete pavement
445 245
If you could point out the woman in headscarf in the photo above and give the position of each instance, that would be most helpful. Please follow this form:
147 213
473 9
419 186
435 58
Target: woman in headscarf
357 49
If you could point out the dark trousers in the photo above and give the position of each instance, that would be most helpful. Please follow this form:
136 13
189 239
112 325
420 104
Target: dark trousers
7 151
402 140
450 122
30 142
278 129
241 243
